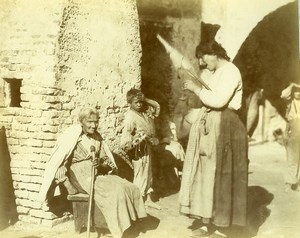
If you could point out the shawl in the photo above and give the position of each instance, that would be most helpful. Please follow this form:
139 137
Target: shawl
63 149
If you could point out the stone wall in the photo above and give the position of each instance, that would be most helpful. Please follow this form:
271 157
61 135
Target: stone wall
29 34
67 55
98 60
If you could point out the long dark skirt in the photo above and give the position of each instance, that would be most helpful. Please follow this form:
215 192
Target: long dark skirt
231 181
215 173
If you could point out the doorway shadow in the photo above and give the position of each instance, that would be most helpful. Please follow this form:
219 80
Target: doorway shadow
8 207
141 226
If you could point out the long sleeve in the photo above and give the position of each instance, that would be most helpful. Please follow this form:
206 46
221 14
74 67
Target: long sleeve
154 106
226 89
128 130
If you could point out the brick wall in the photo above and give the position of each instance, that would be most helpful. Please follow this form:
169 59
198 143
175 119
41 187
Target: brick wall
67 54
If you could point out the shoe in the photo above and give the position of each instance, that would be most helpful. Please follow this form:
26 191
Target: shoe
151 204
294 187
106 236
217 234
200 233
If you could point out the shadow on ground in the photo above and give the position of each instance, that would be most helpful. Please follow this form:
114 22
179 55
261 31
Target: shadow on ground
258 200
31 237
141 226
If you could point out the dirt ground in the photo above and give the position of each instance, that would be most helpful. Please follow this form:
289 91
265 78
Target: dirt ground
272 212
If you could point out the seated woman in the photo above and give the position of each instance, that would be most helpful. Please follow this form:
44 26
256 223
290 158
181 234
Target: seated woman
71 163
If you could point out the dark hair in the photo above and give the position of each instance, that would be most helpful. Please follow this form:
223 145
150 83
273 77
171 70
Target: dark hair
296 89
211 48
133 93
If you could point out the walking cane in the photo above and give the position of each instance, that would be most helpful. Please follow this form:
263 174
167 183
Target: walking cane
91 192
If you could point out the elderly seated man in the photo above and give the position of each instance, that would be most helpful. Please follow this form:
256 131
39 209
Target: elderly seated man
71 164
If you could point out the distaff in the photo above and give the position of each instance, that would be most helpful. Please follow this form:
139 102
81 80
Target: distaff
181 62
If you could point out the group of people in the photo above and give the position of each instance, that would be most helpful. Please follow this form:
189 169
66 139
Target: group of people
81 148
213 188
214 180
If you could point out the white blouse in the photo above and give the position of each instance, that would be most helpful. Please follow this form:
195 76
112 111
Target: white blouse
226 88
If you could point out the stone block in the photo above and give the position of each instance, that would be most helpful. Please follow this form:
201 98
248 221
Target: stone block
19 193
21 177
12 141
29 203
42 214
33 128
17 163
47 106
46 91
31 171
47 128
68 106
6 119
25 105
33 143
54 122
41 150
27 97
19 127
52 99
36 179
37 165
27 178
30 219
14 170
32 195
4 111
28 186
21 134
49 144
52 114
38 121
32 113
23 120
12 67
23 210
45 136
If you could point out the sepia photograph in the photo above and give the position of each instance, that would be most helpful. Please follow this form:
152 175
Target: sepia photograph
149 118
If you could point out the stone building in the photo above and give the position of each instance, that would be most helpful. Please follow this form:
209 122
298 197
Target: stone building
58 56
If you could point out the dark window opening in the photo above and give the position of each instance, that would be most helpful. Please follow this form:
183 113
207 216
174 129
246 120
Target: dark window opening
12 93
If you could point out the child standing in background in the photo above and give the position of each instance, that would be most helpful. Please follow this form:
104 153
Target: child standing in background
138 137
292 145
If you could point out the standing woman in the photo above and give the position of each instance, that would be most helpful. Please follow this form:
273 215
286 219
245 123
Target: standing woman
215 173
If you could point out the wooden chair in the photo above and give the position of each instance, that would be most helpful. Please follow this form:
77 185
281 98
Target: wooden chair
80 203
80 209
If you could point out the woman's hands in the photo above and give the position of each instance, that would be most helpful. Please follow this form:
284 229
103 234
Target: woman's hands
154 141
190 85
